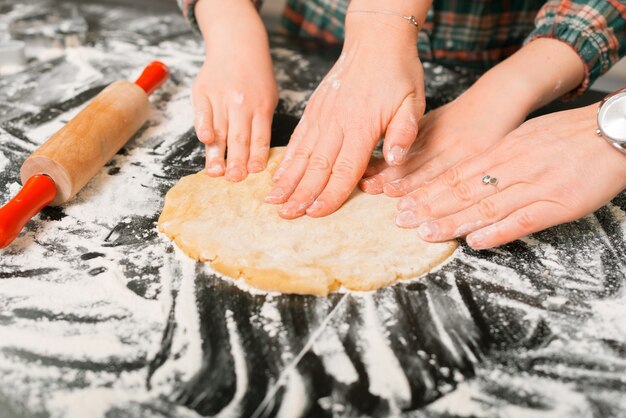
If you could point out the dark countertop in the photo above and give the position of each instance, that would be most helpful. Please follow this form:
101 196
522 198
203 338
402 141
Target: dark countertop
101 316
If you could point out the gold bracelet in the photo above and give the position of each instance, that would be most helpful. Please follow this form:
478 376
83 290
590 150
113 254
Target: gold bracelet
411 19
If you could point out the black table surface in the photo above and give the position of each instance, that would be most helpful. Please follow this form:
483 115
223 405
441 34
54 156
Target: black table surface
101 316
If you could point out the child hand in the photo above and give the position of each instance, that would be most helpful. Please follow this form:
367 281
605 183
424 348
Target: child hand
234 97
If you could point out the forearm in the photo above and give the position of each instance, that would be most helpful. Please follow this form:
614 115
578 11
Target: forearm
538 73
220 21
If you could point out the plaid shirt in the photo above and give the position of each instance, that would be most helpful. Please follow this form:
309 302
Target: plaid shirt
482 33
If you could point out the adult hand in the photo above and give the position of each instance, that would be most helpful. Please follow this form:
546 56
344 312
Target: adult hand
461 129
496 104
374 89
235 93
553 169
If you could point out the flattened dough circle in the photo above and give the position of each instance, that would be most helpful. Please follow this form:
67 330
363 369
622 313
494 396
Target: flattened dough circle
229 225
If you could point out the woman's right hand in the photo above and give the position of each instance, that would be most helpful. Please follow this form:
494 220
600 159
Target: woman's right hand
494 106
235 93
461 129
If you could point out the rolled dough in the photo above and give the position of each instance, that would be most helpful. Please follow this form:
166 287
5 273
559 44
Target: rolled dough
229 225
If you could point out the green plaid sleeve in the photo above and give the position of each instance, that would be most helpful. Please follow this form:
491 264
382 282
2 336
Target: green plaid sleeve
188 8
595 29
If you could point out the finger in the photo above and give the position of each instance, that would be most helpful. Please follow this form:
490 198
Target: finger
260 143
447 179
215 165
313 182
396 185
524 221
294 169
375 183
401 180
372 183
375 166
453 199
486 212
239 124
203 117
402 131
346 172
296 138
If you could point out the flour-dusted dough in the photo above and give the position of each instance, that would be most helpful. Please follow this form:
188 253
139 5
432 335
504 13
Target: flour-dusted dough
229 225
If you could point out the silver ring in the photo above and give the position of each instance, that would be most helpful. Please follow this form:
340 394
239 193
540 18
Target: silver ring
488 180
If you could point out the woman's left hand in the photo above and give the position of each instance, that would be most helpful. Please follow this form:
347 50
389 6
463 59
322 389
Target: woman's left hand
551 170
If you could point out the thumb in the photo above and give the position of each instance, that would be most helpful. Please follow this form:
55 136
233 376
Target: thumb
402 130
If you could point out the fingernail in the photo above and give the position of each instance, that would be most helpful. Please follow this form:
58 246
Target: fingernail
476 240
396 155
292 208
215 169
406 219
235 174
395 188
428 231
315 207
372 185
406 203
277 174
275 196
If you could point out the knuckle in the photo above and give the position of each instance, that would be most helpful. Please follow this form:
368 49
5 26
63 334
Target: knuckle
266 109
261 144
427 210
463 192
525 220
302 153
407 129
219 134
488 209
319 162
239 139
344 169
452 177
304 195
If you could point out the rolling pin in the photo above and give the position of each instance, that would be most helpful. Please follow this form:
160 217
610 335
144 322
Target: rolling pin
58 169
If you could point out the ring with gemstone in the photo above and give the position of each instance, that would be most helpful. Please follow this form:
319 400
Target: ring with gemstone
488 180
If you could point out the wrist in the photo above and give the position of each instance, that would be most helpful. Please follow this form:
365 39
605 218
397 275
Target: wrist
503 93
377 30
386 25
418 9
496 110
222 23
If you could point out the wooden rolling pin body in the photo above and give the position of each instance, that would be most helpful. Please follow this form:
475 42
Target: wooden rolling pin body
72 156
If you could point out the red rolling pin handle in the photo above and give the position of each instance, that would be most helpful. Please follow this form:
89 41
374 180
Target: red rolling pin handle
36 194
155 74
40 190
